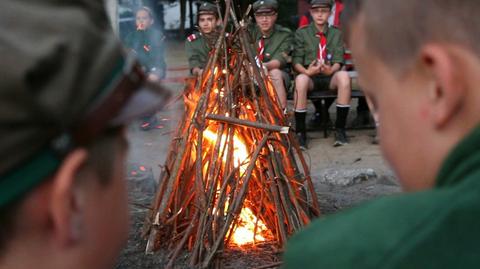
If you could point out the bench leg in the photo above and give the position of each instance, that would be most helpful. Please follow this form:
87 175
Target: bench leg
324 118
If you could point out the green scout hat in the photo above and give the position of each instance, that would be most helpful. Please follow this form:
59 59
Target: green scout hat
65 80
207 8
321 3
265 6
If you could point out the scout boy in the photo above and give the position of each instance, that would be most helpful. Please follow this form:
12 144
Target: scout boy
422 76
317 58
199 45
148 43
273 45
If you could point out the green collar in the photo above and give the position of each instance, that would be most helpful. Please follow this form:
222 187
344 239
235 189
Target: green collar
260 35
462 159
314 30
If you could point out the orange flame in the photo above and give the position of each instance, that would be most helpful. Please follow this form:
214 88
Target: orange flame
240 152
249 229
245 232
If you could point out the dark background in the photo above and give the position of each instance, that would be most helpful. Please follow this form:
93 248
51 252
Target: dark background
288 14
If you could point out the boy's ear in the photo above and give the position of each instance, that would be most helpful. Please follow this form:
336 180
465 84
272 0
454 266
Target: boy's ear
66 205
446 92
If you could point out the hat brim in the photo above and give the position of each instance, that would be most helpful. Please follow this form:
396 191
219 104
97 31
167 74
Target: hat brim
207 13
151 98
320 5
265 10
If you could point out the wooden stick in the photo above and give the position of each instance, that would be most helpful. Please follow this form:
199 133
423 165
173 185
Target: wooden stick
237 206
246 123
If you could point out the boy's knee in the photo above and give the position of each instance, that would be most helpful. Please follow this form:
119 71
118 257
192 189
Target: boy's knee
275 74
301 79
343 79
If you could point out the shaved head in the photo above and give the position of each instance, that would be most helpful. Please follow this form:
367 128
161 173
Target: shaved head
397 29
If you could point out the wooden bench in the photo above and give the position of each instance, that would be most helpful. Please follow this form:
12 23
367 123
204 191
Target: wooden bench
322 95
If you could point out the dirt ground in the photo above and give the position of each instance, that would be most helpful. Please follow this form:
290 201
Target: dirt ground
343 177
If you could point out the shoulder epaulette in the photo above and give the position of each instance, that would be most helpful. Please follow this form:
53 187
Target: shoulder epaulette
285 29
192 37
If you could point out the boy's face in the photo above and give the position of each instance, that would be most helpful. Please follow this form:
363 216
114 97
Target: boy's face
266 21
207 23
402 105
143 20
320 15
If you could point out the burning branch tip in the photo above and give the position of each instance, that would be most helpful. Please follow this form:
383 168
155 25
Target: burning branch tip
157 219
285 130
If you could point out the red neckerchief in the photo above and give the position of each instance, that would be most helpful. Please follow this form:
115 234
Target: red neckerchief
322 47
261 49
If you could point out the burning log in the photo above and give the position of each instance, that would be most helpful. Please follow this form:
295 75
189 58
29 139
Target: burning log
234 175
257 125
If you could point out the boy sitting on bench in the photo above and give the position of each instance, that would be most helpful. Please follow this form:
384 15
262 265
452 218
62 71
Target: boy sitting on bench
318 57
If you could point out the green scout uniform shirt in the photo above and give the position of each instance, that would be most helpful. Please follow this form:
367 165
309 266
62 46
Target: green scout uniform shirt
198 49
307 41
438 228
149 46
278 44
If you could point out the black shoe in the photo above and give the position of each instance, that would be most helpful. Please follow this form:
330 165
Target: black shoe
340 138
302 140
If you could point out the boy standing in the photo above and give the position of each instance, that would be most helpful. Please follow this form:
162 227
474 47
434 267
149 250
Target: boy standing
199 45
318 58
273 44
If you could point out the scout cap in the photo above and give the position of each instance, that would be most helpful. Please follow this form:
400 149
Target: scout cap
265 6
64 80
321 3
207 8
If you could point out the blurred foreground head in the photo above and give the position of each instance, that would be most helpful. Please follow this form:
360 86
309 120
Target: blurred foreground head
66 91
419 62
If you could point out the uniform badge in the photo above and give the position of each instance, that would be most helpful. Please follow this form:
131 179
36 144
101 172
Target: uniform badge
191 37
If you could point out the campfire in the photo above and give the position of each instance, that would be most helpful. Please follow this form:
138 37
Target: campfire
234 176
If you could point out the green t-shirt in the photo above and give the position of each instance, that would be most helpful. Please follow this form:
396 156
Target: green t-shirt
277 45
438 228
198 48
307 41
149 47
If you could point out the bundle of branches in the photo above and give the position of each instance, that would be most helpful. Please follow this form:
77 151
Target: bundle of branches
231 177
